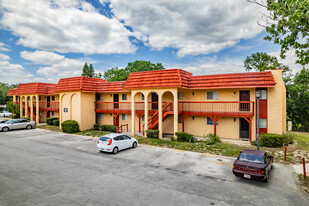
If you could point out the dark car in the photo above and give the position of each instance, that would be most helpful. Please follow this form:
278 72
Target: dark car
253 164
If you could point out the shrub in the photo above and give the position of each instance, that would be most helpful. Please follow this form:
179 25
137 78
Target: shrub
254 142
96 127
288 139
212 139
15 116
50 120
271 140
69 126
185 137
172 138
110 128
154 134
56 122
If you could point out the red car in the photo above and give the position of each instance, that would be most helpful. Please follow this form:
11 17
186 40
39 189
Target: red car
253 164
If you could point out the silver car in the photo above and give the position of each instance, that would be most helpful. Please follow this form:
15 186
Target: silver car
2 121
17 124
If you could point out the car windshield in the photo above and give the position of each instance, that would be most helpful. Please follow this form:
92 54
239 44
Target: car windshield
10 121
251 158
105 139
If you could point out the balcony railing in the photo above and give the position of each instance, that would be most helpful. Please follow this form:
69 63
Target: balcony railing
108 107
49 106
221 108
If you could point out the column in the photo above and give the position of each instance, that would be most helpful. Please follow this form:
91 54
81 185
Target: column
160 127
132 114
175 113
37 105
26 107
146 113
31 108
21 106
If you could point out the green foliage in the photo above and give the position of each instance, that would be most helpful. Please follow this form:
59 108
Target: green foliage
13 108
116 74
4 88
261 61
50 120
88 71
212 139
288 138
110 128
56 122
70 126
28 118
96 127
271 140
298 101
287 25
153 134
185 137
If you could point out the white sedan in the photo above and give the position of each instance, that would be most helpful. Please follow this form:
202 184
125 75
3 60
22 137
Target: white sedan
5 114
115 142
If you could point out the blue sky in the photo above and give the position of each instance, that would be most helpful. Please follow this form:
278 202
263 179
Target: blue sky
42 41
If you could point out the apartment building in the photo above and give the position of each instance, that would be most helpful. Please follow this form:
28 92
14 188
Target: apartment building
168 100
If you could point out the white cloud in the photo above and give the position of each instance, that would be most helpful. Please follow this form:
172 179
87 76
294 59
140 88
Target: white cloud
12 73
4 57
289 60
3 47
65 26
57 66
194 27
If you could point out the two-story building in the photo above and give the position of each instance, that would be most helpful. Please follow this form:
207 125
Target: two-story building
170 100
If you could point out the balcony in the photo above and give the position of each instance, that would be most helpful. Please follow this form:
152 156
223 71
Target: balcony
48 106
217 108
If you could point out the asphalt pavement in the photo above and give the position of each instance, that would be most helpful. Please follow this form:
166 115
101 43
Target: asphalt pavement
39 167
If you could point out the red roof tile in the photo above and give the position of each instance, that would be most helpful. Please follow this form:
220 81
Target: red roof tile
11 92
160 78
85 84
35 88
111 86
250 79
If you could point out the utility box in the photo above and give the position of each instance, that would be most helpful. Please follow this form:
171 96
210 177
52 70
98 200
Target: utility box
289 126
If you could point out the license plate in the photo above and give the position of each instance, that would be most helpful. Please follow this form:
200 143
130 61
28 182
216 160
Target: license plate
247 176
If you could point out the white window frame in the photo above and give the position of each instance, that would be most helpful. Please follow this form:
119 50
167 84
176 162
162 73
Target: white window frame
124 96
180 95
211 122
124 117
214 95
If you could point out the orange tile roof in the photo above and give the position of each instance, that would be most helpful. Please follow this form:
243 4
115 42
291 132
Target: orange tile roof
159 78
111 86
236 80
35 88
11 92
85 84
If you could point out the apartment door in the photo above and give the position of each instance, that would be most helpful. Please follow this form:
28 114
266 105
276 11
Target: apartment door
244 96
48 101
116 99
244 131
116 121
154 100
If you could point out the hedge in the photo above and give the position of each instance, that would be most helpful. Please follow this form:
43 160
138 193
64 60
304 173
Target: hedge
56 122
50 120
212 139
110 128
96 127
153 134
274 140
69 126
184 137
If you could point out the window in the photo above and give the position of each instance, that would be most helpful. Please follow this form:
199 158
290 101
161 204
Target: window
210 121
39 98
53 98
143 97
99 116
212 95
53 113
28 99
180 95
179 120
263 123
99 97
263 94
124 96
125 137
143 118
124 117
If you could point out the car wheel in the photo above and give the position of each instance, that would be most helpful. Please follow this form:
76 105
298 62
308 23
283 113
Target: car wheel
134 144
115 150
29 127
272 167
5 129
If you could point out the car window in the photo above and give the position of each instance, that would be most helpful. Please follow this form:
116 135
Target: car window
125 137
10 121
118 138
16 121
105 139
251 158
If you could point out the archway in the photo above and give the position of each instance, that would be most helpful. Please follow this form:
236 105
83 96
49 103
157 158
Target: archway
22 106
139 106
33 106
168 114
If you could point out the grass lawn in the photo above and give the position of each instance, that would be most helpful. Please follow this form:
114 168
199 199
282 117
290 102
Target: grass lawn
302 140
49 127
93 133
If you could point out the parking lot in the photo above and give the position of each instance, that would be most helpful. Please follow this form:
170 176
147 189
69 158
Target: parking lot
39 167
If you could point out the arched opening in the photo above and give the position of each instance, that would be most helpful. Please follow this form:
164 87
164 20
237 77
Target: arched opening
153 108
22 105
139 105
168 114
34 107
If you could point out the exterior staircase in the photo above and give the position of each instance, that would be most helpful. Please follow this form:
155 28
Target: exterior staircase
167 109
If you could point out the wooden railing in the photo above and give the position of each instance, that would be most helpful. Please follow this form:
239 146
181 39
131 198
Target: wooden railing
120 127
49 106
223 108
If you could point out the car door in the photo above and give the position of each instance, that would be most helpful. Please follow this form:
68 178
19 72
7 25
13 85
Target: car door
16 124
126 141
119 142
